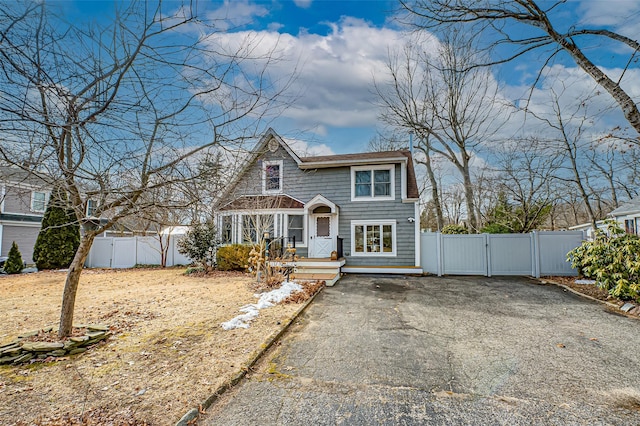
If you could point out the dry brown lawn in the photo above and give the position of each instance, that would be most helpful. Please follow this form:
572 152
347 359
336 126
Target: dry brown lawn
168 352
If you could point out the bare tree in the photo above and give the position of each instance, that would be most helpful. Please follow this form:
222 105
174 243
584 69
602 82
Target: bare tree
387 142
112 112
526 171
528 25
571 141
394 141
430 166
452 204
452 106
613 166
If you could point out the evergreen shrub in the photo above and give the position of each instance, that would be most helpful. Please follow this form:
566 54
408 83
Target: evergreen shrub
612 259
59 236
14 263
233 257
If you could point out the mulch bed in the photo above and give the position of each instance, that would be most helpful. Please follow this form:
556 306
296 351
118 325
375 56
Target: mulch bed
592 290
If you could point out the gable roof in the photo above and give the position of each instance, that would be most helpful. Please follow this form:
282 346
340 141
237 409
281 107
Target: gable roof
330 161
630 207
17 176
262 146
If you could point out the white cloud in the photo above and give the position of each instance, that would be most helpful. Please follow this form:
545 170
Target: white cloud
578 96
619 15
335 70
308 149
304 4
235 14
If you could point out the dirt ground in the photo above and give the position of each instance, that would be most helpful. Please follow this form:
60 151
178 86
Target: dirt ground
167 352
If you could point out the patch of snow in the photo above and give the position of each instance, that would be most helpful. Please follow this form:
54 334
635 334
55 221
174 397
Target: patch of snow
585 281
266 300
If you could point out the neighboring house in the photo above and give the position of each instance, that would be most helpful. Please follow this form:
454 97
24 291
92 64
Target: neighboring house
587 228
628 216
23 200
362 206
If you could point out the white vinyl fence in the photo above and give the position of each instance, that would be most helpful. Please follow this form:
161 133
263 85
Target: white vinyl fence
126 252
536 254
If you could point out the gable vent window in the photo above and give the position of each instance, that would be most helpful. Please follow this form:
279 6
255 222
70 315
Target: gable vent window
272 177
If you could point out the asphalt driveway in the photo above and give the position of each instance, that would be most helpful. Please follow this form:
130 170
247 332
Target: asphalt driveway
456 350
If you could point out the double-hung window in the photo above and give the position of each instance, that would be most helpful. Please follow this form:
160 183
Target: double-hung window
272 177
372 183
630 226
38 201
92 206
295 227
373 238
227 229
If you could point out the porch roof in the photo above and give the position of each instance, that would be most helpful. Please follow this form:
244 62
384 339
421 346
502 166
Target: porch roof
263 202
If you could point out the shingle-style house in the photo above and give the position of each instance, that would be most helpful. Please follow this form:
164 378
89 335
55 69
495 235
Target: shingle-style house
23 200
362 206
628 216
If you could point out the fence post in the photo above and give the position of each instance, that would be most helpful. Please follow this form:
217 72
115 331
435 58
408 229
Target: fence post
536 253
487 250
439 253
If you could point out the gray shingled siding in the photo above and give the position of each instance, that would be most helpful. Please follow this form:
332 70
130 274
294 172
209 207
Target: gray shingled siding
251 182
335 184
339 180
17 200
25 238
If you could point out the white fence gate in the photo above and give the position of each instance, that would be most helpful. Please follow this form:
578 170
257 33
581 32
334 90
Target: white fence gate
126 252
536 254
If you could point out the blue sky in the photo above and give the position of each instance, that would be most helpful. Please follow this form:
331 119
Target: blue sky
342 45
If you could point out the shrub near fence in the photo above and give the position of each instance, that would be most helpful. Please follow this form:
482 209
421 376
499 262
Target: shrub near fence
535 254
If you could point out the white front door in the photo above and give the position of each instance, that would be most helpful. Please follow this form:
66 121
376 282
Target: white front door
322 236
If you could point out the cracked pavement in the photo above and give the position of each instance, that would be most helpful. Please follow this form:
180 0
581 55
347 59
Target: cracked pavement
451 350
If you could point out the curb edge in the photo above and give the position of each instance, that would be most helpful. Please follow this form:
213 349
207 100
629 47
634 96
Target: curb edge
193 413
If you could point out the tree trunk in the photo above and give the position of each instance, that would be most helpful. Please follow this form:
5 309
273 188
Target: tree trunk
434 192
583 193
71 286
468 193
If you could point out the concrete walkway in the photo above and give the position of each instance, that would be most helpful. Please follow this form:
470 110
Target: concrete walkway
428 350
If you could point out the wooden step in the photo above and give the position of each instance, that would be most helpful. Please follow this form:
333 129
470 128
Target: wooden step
329 279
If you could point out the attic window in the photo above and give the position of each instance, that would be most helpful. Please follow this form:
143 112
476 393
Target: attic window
272 177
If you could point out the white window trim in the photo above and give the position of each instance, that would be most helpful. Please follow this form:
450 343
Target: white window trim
302 243
3 193
46 201
220 224
280 223
89 201
390 167
394 240
265 164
